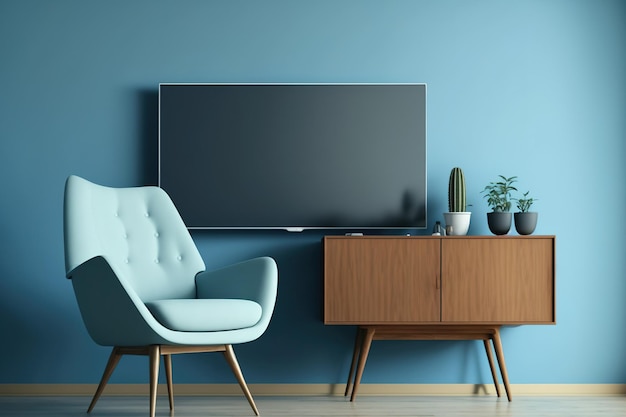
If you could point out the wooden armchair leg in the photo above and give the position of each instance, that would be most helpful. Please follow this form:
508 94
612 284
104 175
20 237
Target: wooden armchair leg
114 359
155 357
229 353
167 359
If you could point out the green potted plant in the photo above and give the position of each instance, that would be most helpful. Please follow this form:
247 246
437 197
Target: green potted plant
498 195
525 220
457 219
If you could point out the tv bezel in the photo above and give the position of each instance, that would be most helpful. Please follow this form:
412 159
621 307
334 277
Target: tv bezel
304 228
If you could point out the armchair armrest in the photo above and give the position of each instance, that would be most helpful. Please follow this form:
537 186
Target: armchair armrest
254 279
112 312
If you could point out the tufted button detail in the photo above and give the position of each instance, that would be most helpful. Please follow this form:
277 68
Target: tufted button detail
156 261
125 235
126 260
180 258
147 214
156 234
116 214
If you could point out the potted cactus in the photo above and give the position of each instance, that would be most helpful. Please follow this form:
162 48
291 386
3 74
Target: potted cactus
498 195
525 220
457 219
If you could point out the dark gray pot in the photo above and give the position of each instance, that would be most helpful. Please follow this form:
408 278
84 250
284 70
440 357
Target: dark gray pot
525 223
499 222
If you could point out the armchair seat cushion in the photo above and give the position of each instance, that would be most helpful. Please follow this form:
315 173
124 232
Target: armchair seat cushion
205 315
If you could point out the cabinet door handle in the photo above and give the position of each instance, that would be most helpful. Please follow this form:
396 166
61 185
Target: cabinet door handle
436 281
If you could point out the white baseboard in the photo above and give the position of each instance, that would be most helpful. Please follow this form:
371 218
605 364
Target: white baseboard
315 389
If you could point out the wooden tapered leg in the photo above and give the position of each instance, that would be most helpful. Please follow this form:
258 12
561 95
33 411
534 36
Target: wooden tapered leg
229 354
167 359
114 358
155 357
500 355
364 351
492 366
355 354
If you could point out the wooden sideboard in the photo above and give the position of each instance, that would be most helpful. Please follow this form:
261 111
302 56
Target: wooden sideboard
427 287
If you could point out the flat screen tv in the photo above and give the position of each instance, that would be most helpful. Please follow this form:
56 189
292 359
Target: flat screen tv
294 156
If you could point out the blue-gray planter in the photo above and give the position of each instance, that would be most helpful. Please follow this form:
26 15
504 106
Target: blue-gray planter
499 222
525 223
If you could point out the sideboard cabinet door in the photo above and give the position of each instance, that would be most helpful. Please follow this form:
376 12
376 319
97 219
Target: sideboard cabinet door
381 280
505 280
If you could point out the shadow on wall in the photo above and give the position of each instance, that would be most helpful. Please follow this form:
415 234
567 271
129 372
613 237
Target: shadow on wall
297 347
297 339
148 133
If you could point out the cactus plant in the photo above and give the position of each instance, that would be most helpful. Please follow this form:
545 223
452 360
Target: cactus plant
456 191
457 219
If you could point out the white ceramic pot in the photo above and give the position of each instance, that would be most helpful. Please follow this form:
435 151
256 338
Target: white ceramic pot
460 222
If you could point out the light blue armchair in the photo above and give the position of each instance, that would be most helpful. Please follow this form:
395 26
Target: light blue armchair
142 287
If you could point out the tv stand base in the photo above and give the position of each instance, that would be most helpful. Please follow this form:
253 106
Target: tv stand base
366 334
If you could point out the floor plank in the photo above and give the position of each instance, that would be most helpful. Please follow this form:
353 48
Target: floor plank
332 406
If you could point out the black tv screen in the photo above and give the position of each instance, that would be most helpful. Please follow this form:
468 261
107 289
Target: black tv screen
294 156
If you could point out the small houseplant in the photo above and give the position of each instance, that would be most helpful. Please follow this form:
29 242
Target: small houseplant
457 219
498 195
525 220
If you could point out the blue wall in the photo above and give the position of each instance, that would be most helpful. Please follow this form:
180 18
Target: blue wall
532 88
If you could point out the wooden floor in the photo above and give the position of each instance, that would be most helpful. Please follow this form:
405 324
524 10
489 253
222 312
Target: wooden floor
365 406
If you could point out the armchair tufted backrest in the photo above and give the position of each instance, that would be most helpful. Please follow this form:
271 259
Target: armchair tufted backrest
138 231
